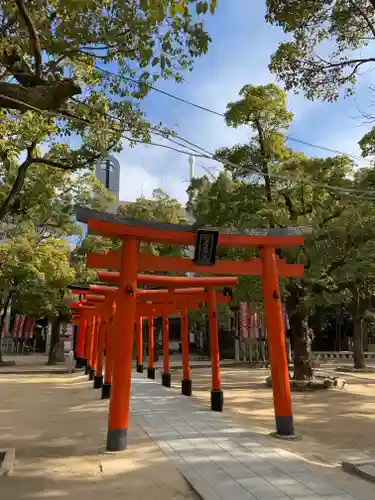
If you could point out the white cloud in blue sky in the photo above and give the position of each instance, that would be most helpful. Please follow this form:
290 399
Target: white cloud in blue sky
239 54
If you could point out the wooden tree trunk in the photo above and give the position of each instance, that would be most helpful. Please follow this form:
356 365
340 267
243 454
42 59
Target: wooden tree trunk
301 345
301 334
358 352
358 310
2 321
55 341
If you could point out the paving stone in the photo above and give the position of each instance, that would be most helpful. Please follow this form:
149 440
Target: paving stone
296 491
200 464
221 482
266 471
228 460
367 471
280 479
180 444
230 488
262 489
221 457
198 484
238 471
316 484
223 461
342 496
290 467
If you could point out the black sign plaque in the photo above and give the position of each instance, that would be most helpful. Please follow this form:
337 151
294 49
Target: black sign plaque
205 247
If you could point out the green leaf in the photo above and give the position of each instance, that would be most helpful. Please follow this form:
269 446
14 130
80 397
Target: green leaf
303 63
201 7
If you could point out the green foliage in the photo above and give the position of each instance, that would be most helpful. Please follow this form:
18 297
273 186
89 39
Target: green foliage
36 274
160 208
230 205
264 103
328 37
272 187
83 274
60 49
48 199
165 36
263 109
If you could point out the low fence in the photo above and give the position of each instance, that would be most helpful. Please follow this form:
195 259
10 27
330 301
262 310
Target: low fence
340 355
10 345
257 352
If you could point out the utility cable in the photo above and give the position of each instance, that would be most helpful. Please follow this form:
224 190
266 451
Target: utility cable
217 113
192 153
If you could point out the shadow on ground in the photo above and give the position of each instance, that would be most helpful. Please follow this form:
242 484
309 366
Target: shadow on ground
59 437
338 421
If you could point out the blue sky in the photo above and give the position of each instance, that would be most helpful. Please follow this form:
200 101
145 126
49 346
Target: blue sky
242 43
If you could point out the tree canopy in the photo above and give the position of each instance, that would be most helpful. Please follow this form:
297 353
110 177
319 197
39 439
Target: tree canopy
38 273
51 49
266 184
160 207
73 74
328 44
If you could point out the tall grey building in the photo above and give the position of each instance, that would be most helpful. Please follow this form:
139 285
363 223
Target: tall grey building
107 171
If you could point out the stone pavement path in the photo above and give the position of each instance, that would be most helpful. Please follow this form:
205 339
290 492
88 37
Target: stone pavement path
223 461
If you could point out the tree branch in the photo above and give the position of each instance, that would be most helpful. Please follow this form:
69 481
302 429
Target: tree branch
364 15
264 159
289 204
60 195
18 183
33 35
53 163
3 317
334 215
345 62
306 254
335 265
356 62
352 73
319 288
77 166
43 97
11 20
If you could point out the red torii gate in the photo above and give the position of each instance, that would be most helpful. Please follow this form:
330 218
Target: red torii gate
86 339
166 302
132 232
92 332
210 297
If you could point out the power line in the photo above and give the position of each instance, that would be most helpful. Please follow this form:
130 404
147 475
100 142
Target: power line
306 181
168 94
85 122
207 156
329 150
154 130
217 113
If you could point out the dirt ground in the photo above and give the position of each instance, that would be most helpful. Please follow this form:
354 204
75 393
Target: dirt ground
334 424
57 424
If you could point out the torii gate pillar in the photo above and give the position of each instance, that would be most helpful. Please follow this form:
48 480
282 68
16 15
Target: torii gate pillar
118 422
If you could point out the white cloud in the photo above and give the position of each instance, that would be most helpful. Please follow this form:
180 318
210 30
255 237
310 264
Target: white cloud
135 181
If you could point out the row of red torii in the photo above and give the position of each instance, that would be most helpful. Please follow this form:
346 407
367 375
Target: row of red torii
106 315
